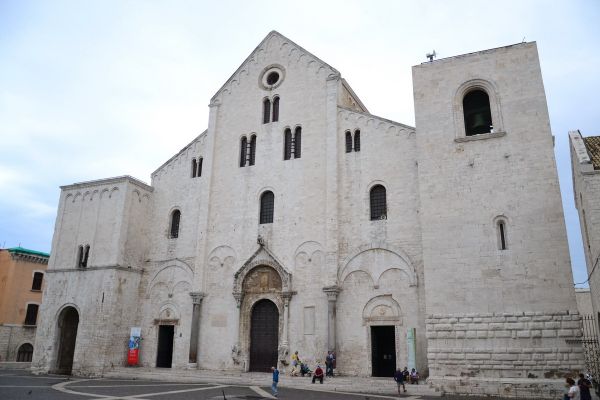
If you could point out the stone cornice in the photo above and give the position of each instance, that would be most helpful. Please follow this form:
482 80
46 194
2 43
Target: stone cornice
97 268
107 181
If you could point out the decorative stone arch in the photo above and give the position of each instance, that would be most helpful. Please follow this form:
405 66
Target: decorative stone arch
495 107
177 264
404 262
168 314
382 310
242 273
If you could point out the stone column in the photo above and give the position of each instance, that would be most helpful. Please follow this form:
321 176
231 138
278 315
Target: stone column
197 304
332 293
286 317
236 349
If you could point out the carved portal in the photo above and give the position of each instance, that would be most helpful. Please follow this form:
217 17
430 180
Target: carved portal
262 279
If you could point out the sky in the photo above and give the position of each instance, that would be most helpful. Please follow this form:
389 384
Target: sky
94 89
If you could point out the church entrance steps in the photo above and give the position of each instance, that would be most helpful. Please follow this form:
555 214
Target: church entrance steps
350 384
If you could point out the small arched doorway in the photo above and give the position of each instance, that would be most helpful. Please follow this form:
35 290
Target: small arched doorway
68 321
264 336
25 353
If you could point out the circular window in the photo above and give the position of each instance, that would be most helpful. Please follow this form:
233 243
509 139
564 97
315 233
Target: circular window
271 77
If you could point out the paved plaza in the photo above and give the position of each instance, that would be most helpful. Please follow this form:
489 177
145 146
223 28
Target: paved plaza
19 384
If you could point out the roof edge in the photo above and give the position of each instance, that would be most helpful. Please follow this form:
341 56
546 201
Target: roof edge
178 153
116 179
380 118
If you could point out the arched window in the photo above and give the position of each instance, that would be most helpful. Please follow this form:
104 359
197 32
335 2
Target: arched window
252 155
194 167
38 278
287 144
477 113
378 203
348 142
501 227
25 353
175 219
80 257
243 150
298 142
357 140
199 173
86 254
31 316
266 111
275 109
267 206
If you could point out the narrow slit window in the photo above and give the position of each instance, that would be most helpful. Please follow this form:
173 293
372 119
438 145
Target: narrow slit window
477 113
348 142
243 150
378 203
80 257
38 278
267 207
357 140
86 254
275 109
199 167
298 142
175 219
31 315
287 144
194 164
266 111
502 235
252 152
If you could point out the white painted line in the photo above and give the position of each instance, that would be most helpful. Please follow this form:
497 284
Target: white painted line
138 396
22 386
143 385
34 377
261 392
61 388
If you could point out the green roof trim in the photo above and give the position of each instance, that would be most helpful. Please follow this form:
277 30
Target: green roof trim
22 250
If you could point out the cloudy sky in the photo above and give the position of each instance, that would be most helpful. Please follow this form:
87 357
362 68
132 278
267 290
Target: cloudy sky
93 89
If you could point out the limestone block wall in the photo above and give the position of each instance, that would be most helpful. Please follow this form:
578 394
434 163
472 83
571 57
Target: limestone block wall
504 345
586 190
11 338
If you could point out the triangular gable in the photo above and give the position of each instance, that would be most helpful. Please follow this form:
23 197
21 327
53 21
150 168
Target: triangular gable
263 45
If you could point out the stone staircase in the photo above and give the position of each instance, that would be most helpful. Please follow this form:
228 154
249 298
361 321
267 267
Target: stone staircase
349 384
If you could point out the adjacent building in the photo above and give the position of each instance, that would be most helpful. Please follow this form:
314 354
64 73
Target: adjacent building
300 221
22 274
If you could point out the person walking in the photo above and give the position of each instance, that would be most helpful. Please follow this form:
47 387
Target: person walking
573 393
329 364
584 387
399 378
275 380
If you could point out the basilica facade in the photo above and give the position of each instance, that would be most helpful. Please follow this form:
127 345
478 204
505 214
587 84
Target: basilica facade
298 221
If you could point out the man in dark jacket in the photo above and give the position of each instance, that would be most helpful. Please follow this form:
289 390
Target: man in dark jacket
399 378
318 374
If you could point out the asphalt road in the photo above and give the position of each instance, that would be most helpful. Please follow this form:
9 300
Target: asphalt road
21 385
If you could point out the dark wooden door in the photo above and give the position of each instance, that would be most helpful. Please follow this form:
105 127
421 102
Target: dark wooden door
68 323
383 350
264 336
164 354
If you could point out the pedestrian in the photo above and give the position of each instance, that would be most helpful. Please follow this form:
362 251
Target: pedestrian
406 374
399 378
318 374
295 359
573 393
329 364
414 376
584 387
275 380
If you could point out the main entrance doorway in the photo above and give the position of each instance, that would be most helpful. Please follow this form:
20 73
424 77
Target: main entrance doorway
264 336
383 350
68 321
164 353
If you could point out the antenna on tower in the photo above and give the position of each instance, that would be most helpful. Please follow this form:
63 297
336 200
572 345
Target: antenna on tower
431 55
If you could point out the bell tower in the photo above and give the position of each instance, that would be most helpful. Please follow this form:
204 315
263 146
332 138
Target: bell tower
498 285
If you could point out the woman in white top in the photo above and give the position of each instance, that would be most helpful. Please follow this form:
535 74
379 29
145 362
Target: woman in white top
573 390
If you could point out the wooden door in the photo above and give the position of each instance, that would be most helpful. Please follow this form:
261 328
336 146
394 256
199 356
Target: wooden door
264 336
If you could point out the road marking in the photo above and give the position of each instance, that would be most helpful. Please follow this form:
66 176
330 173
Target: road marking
23 386
137 396
34 377
261 392
61 388
143 385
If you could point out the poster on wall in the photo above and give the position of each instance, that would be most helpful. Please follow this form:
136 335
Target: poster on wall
410 341
133 353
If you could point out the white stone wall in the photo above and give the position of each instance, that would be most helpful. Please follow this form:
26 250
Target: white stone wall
586 188
465 184
11 338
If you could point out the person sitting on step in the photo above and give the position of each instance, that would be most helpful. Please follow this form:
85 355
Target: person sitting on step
318 374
